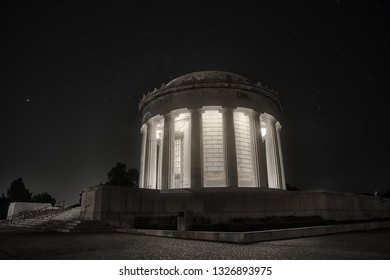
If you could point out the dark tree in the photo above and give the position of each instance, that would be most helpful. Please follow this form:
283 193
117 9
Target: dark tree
4 203
81 197
291 188
132 177
18 192
118 175
43 198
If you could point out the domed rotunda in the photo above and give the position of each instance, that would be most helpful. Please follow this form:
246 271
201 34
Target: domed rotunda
211 129
211 160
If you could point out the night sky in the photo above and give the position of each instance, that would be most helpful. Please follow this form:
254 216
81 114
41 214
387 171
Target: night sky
73 74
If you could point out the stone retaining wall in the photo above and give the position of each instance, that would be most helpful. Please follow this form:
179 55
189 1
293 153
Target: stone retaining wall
19 207
259 236
120 206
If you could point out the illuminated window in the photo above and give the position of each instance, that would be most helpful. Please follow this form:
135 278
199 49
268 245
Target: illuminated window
213 149
178 161
243 150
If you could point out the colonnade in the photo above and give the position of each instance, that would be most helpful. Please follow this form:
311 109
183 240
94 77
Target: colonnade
264 161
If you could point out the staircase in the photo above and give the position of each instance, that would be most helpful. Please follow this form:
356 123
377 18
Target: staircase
44 224
67 221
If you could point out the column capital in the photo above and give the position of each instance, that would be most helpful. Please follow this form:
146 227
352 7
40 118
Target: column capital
268 118
143 128
254 114
168 115
153 120
151 123
226 110
195 110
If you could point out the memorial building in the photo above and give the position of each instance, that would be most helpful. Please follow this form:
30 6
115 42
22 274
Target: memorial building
211 154
211 129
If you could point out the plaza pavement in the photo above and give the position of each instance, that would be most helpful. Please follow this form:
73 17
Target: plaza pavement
27 244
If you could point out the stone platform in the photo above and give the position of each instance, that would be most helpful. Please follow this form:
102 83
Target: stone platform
258 236
122 206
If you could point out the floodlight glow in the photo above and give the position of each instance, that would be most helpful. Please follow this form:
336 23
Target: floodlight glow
158 133
263 131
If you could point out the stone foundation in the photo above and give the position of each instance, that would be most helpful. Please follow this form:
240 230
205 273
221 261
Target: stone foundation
124 206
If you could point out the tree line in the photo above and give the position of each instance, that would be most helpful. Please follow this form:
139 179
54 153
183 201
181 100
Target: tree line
18 192
119 175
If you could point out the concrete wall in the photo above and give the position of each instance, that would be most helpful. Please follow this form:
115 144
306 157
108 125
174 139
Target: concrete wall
121 205
18 207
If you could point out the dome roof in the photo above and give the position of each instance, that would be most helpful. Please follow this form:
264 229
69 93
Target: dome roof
209 76
209 88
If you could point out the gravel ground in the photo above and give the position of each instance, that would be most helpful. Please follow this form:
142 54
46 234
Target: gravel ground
30 244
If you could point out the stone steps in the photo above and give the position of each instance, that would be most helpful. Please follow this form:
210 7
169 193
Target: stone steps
68 221
36 223
65 225
30 223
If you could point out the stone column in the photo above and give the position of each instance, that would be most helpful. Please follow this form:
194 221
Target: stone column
151 156
263 159
258 148
167 152
230 148
273 165
159 163
142 164
196 149
278 129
